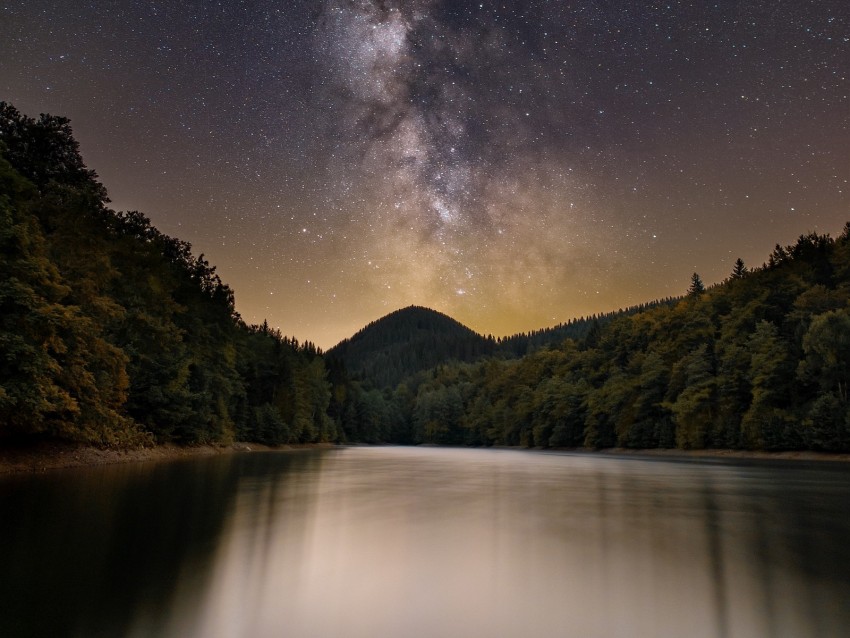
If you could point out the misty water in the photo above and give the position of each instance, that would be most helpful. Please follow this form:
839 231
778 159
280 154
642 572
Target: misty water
409 542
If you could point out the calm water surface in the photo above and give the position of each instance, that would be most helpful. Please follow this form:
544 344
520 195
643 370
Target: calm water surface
410 542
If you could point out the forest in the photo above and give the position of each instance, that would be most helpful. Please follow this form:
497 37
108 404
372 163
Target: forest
115 334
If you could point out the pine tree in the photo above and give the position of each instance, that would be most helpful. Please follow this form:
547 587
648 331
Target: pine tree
697 287
739 270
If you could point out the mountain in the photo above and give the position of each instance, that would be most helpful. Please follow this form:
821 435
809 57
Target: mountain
408 341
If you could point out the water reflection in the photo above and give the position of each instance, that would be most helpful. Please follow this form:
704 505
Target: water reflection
428 542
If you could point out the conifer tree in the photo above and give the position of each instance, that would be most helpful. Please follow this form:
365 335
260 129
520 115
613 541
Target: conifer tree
739 270
697 287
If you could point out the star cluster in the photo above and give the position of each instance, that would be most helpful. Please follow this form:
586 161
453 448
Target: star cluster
513 164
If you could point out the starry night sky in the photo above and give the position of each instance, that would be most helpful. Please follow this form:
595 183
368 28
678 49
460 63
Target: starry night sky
512 164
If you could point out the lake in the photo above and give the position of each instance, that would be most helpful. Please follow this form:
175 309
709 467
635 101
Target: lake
428 542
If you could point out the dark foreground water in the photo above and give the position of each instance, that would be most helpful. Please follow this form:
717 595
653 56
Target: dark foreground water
407 542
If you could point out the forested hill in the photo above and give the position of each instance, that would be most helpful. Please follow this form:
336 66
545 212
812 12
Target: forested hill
114 333
583 329
761 361
408 341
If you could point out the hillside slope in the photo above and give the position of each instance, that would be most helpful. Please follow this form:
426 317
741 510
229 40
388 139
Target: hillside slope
408 341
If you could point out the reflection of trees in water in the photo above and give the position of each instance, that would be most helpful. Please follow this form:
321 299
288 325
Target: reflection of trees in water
773 547
85 553
113 550
809 533
762 556
795 548
714 545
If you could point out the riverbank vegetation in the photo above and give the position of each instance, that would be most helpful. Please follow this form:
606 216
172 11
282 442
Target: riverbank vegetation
759 362
115 334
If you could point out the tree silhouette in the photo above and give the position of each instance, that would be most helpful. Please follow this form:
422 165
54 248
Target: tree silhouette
739 270
696 287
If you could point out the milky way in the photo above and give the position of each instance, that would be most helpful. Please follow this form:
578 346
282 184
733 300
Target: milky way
448 145
513 164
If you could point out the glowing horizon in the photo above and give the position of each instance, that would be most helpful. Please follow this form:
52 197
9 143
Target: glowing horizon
513 166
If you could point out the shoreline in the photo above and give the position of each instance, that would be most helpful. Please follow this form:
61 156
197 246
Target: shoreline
47 456
54 455
742 455
42 457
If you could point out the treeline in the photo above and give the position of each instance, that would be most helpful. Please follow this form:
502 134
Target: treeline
761 361
114 333
580 329
405 342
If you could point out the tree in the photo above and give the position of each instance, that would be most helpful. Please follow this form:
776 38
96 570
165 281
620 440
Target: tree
765 422
605 407
31 318
694 408
827 348
826 425
653 425
739 270
778 257
696 288
45 152
59 374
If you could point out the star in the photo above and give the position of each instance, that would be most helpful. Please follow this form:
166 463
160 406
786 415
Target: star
384 149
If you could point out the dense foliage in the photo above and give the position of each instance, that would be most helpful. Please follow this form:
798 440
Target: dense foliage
761 361
413 339
408 341
116 334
